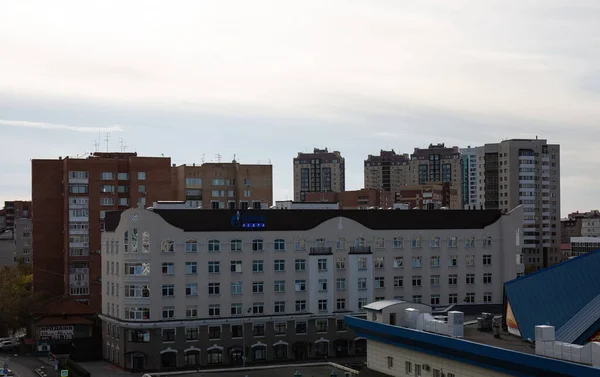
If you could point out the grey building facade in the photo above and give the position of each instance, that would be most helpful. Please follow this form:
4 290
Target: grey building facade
189 287
23 240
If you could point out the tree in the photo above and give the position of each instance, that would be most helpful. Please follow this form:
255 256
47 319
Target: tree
17 301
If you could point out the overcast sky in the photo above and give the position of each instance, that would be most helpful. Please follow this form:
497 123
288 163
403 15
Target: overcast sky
263 80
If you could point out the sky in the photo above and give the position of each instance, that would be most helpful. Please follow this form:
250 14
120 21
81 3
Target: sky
263 80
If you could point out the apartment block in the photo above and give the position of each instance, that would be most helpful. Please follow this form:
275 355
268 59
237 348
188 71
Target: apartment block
320 171
387 172
437 163
2 220
578 224
525 172
429 196
185 287
357 199
23 236
70 199
13 210
219 185
584 245
470 178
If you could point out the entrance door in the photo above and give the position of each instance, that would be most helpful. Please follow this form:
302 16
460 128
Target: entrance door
138 362
393 319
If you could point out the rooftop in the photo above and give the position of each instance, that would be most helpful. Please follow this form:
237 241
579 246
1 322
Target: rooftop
506 340
209 220
282 371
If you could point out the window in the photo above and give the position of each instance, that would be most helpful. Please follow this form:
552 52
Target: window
258 266
470 242
168 335
416 262
416 281
123 189
435 261
379 282
487 297
280 328
279 244
236 309
107 176
453 298
398 262
470 279
168 268
340 263
398 281
362 284
236 266
107 189
390 362
435 242
487 278
452 243
379 242
214 332
191 182
258 308
300 285
279 307
300 244
191 333
191 289
168 312
167 246
320 242
257 245
78 189
214 267
487 241
78 175
434 280
416 243
408 367
340 325
123 176
191 268
435 299
137 313
214 246
300 305
123 201
322 305
379 262
300 264
487 260
258 329
214 288
279 265
470 260
107 201
341 284
362 301
398 243
279 286
417 299
341 304
322 285
470 297
362 263
321 325
168 290
258 287
235 245
191 246
301 327
191 312
452 261
452 279
322 264
236 287
141 175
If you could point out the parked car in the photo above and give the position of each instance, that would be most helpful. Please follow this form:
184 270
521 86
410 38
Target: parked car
8 345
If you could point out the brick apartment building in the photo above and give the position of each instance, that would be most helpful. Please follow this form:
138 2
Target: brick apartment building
320 171
429 196
70 198
217 185
357 199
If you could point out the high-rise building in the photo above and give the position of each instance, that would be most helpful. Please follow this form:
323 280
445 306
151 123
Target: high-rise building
70 199
320 171
527 172
223 185
470 177
436 164
388 171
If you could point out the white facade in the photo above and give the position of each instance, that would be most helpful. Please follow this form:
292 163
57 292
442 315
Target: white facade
590 227
401 362
440 267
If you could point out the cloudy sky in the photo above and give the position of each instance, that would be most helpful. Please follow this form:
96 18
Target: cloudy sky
263 80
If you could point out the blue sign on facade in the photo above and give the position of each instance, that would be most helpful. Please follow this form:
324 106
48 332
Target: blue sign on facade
247 221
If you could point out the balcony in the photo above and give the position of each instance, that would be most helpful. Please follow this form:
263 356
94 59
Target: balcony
360 249
322 250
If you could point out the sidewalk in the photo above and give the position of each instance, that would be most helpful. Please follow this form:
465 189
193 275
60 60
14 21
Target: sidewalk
96 368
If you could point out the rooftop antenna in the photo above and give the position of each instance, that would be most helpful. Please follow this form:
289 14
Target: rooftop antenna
96 145
203 154
270 162
121 147
107 139
218 156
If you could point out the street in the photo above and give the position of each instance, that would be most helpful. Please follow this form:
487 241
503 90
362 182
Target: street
23 366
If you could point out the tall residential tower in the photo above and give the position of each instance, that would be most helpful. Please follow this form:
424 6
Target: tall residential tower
320 171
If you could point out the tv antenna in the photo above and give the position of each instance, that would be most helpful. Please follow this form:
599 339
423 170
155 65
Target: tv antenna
123 147
234 158
203 155
96 145
218 156
107 139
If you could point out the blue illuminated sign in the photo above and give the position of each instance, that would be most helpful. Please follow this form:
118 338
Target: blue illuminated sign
247 221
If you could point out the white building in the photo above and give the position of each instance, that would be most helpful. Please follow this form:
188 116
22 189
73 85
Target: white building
170 276
590 226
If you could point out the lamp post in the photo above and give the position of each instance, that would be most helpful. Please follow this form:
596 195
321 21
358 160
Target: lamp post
244 337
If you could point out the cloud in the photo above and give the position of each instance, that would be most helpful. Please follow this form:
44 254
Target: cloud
54 126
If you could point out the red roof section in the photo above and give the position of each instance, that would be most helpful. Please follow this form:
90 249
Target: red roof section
61 321
64 305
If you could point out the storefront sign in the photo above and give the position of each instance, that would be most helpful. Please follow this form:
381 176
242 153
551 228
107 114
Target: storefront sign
247 221
56 332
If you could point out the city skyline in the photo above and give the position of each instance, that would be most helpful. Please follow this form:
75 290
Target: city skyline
358 77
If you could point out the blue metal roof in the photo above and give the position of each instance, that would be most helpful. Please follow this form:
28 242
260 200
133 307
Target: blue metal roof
488 357
556 295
